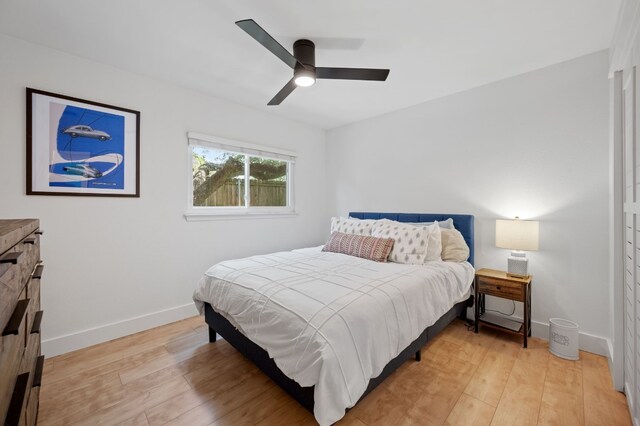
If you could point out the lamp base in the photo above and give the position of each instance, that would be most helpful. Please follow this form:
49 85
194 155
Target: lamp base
517 264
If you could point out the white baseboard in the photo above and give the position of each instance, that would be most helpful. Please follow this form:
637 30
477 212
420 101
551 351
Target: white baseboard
92 336
616 367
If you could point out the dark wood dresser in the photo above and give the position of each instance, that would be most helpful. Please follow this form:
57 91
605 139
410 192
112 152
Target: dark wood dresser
20 318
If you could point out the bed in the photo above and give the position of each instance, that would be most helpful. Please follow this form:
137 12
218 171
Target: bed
334 357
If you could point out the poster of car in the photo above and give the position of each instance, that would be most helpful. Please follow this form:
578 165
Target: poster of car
79 147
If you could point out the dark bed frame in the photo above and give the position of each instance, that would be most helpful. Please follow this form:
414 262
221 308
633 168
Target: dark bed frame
304 395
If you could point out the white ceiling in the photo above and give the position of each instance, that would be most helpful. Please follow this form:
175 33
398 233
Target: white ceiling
433 47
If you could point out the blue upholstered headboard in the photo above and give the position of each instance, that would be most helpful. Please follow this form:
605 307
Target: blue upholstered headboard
462 222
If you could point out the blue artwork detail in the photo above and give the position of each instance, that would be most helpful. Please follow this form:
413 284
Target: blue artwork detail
90 150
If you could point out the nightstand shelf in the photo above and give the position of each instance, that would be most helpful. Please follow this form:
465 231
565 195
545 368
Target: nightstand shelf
498 284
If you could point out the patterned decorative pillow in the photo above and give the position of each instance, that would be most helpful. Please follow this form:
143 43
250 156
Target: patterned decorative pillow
413 244
454 247
351 225
434 247
376 249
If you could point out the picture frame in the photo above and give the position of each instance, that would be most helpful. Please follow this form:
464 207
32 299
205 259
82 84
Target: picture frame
81 148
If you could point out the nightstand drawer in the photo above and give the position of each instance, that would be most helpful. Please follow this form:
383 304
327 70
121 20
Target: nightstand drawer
500 288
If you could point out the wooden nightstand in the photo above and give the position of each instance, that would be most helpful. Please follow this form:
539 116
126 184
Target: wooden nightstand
499 284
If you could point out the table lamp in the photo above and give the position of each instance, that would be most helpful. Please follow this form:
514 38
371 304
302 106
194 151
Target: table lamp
519 236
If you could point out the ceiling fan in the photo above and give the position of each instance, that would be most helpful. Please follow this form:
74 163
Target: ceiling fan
303 62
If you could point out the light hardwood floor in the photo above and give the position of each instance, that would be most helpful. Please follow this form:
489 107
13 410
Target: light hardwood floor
172 375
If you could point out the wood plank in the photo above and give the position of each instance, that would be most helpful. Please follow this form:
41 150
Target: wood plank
65 379
490 379
201 375
470 411
118 349
381 406
182 403
101 392
350 420
389 402
471 347
79 370
214 386
195 322
154 379
198 368
292 414
520 401
129 345
138 420
166 360
200 336
257 410
602 404
107 388
562 397
224 401
48 366
128 407
439 387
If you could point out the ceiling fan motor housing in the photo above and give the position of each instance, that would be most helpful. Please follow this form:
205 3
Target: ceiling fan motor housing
305 52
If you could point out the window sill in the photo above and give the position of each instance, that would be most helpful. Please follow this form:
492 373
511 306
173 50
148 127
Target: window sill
197 216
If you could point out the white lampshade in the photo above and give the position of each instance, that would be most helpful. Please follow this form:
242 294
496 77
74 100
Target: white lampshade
517 234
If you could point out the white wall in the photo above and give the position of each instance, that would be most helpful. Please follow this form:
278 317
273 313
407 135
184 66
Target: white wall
115 266
534 145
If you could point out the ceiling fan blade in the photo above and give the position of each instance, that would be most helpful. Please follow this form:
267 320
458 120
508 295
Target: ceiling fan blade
261 36
352 73
283 93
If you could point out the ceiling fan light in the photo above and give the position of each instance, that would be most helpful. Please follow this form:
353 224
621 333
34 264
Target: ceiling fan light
304 81
304 77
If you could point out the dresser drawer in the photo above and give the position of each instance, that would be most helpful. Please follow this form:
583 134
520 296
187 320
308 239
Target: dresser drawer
500 288
16 266
12 349
31 417
33 289
10 357
10 289
30 249
16 414
31 353
33 293
14 231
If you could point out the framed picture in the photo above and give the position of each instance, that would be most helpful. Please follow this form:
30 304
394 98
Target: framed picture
79 147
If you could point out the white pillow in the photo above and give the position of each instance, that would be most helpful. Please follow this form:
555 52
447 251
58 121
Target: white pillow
351 225
454 248
411 243
445 224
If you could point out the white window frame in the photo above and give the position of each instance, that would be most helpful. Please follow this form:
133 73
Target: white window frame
247 149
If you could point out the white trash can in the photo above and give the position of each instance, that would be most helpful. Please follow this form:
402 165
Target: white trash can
563 338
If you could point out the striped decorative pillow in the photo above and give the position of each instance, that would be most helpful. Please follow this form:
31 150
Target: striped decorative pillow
372 248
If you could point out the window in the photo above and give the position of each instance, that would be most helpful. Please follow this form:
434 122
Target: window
235 178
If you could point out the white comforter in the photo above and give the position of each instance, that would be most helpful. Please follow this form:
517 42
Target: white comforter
329 320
